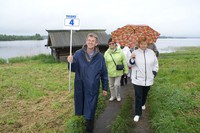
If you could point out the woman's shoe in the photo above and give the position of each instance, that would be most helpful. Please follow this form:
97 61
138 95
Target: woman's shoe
112 98
136 118
119 99
143 107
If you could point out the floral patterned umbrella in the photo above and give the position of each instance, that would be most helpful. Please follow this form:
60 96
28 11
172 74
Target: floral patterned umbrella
130 34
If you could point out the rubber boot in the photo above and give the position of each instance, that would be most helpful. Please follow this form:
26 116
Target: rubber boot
89 126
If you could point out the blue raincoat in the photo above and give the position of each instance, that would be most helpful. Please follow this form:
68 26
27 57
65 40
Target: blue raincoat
88 73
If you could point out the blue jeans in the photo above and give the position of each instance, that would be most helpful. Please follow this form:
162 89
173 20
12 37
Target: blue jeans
140 97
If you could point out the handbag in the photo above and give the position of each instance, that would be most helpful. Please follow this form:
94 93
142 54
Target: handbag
118 67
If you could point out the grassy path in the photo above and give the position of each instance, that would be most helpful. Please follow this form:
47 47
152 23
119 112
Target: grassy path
104 123
118 116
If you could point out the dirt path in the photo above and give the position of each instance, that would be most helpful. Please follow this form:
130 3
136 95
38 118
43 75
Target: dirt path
105 120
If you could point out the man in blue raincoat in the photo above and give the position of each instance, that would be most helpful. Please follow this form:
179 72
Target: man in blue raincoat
89 67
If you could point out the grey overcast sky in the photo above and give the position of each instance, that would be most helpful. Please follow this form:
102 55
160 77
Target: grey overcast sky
169 17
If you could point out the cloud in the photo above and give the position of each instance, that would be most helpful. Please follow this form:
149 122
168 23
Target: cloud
180 17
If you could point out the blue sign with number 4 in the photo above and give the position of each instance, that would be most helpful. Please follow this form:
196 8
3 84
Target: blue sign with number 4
71 22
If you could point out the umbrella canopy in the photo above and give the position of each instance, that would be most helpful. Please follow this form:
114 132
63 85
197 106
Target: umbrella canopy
130 34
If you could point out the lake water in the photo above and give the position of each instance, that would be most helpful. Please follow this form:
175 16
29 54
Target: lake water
9 49
169 45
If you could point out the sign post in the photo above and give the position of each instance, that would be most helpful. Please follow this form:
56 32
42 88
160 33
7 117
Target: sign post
71 22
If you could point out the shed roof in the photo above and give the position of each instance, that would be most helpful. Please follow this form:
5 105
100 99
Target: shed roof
61 38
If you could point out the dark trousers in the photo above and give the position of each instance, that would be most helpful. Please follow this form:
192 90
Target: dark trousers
140 98
89 126
123 80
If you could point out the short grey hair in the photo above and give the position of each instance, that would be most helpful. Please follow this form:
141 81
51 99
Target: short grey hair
93 35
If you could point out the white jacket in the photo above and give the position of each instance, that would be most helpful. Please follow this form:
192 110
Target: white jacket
127 53
145 63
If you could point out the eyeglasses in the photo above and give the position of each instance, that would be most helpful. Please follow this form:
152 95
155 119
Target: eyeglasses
111 43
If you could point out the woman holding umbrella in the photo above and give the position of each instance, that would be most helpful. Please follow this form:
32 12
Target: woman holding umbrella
144 69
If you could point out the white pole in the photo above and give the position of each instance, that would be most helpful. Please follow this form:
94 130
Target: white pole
70 62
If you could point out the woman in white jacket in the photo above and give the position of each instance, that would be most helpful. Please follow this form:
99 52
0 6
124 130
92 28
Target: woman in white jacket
144 69
127 53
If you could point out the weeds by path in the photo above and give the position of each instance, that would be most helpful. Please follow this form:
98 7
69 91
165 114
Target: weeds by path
124 121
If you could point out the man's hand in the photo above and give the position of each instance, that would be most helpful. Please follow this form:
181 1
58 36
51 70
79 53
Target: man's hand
105 93
70 58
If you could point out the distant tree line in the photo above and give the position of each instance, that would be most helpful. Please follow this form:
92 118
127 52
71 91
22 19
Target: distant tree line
15 37
174 37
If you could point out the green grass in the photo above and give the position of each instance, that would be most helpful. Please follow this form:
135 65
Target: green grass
75 125
2 61
42 57
175 96
33 88
34 96
37 87
124 122
32 79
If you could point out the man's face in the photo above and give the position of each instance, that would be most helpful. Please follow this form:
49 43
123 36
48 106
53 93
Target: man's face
91 42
